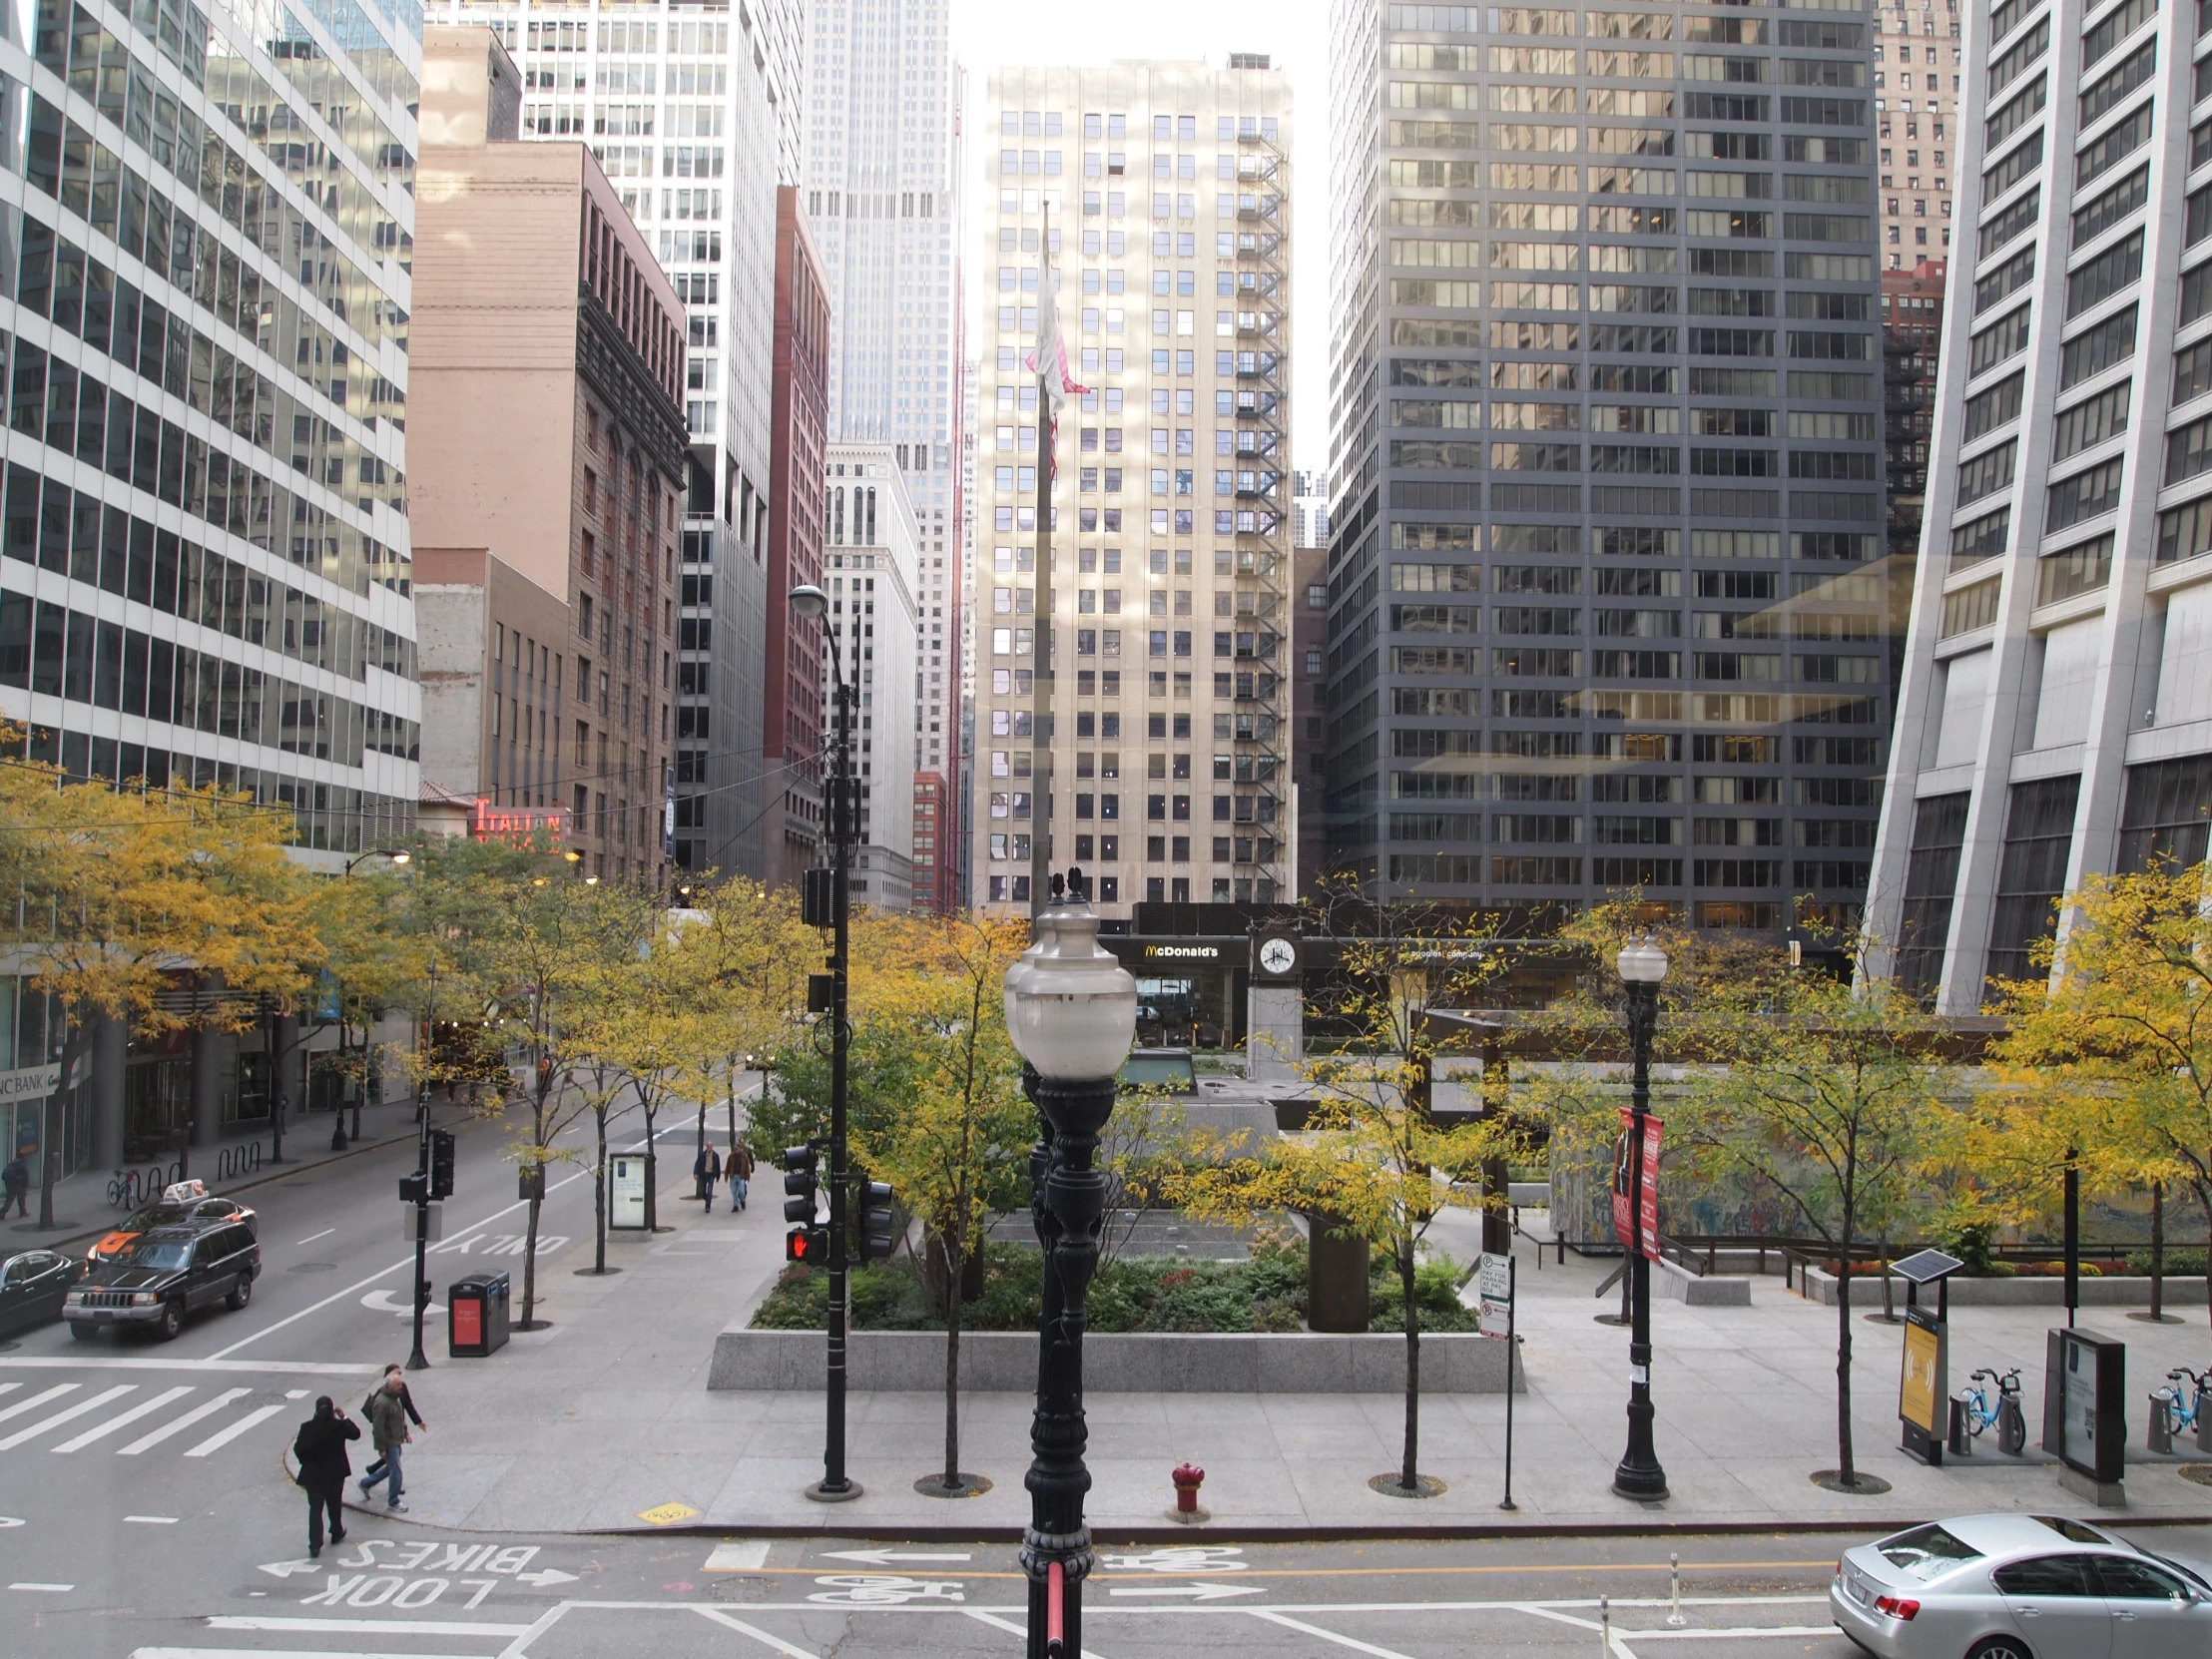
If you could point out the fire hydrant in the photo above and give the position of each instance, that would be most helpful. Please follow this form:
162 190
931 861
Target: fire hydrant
1188 1479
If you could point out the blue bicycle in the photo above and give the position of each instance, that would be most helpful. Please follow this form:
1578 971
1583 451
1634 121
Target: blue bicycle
2180 1408
2007 1415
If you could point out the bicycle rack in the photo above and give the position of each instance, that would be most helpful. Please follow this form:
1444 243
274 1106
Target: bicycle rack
236 1161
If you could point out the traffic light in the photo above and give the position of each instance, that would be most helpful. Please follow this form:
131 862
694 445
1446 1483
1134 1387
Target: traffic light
441 1163
802 1188
802 1183
876 1236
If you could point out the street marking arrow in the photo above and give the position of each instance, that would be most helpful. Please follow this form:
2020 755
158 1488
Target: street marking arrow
544 1577
876 1557
284 1570
381 1302
1197 1593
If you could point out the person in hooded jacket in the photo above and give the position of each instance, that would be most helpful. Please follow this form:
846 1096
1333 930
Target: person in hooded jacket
319 1448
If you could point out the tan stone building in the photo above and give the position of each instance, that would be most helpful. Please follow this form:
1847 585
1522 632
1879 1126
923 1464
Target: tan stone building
1916 78
547 449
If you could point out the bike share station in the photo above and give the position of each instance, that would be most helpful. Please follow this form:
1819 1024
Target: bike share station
1924 1383
2085 1415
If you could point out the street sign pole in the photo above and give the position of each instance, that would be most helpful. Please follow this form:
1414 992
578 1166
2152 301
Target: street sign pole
1512 1353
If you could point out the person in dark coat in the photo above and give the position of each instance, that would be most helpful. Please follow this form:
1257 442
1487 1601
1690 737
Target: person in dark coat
15 1188
319 1448
707 1168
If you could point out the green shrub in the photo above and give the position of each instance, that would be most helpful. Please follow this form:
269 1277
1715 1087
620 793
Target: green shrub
2179 1264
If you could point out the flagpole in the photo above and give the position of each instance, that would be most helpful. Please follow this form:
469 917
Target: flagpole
1040 718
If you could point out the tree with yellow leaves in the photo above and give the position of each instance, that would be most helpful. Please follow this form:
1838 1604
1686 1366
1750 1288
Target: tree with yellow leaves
1371 1155
122 893
2109 1061
963 1128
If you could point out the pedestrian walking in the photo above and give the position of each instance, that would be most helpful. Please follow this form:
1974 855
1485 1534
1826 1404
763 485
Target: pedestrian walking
320 1450
707 1175
407 1402
15 1188
388 1413
740 1171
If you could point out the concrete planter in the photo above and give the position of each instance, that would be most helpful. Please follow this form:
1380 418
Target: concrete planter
2020 1291
1002 1362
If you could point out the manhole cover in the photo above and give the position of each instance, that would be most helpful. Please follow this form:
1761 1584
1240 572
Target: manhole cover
311 1267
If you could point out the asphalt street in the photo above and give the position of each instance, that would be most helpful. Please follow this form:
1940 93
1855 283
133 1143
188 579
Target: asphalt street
392 1589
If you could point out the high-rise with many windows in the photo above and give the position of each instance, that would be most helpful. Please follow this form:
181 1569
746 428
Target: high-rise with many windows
1917 73
2055 715
206 225
1161 192
1607 599
693 110
884 174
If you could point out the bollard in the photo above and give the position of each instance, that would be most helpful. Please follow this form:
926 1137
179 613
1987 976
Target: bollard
1187 1477
1674 1592
1604 1629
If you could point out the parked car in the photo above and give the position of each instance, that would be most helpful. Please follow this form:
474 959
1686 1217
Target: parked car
2020 1587
182 1201
32 1285
165 1274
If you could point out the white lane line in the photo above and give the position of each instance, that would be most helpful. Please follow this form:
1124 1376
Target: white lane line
56 1589
1738 1630
146 1442
311 1237
1553 1613
216 1442
420 1627
68 1414
36 1400
519 1648
152 1520
1008 1625
754 1631
327 1367
360 1284
738 1556
1288 1623
279 1653
144 1409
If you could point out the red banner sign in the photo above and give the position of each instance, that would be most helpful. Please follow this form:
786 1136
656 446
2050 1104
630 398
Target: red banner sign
1624 1185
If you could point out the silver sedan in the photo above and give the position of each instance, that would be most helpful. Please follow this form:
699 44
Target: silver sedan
2020 1587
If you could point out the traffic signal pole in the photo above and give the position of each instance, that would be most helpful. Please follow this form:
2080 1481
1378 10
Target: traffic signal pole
837 1486
418 1360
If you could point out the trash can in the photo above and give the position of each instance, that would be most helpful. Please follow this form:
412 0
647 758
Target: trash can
476 1315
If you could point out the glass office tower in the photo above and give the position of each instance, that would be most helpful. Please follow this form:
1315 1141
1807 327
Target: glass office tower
1605 564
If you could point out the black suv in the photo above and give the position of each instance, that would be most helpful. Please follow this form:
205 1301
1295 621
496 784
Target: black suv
164 1273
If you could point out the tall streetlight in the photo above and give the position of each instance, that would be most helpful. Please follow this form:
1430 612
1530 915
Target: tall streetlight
1071 1011
836 1486
1642 967
338 1142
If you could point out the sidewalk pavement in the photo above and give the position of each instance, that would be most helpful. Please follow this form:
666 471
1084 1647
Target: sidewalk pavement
82 1211
604 1421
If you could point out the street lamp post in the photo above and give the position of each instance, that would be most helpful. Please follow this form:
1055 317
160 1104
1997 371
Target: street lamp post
1642 967
1071 1011
836 1486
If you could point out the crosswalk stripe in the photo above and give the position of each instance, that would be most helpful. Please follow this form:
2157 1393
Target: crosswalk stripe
216 1442
103 1431
279 1653
68 1414
146 1442
36 1400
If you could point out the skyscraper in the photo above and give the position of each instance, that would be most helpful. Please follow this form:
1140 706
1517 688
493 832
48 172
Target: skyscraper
871 556
693 110
206 567
1916 78
884 174
1167 190
2055 715
1605 550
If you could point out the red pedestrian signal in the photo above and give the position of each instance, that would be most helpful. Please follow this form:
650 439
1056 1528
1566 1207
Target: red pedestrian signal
806 1243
